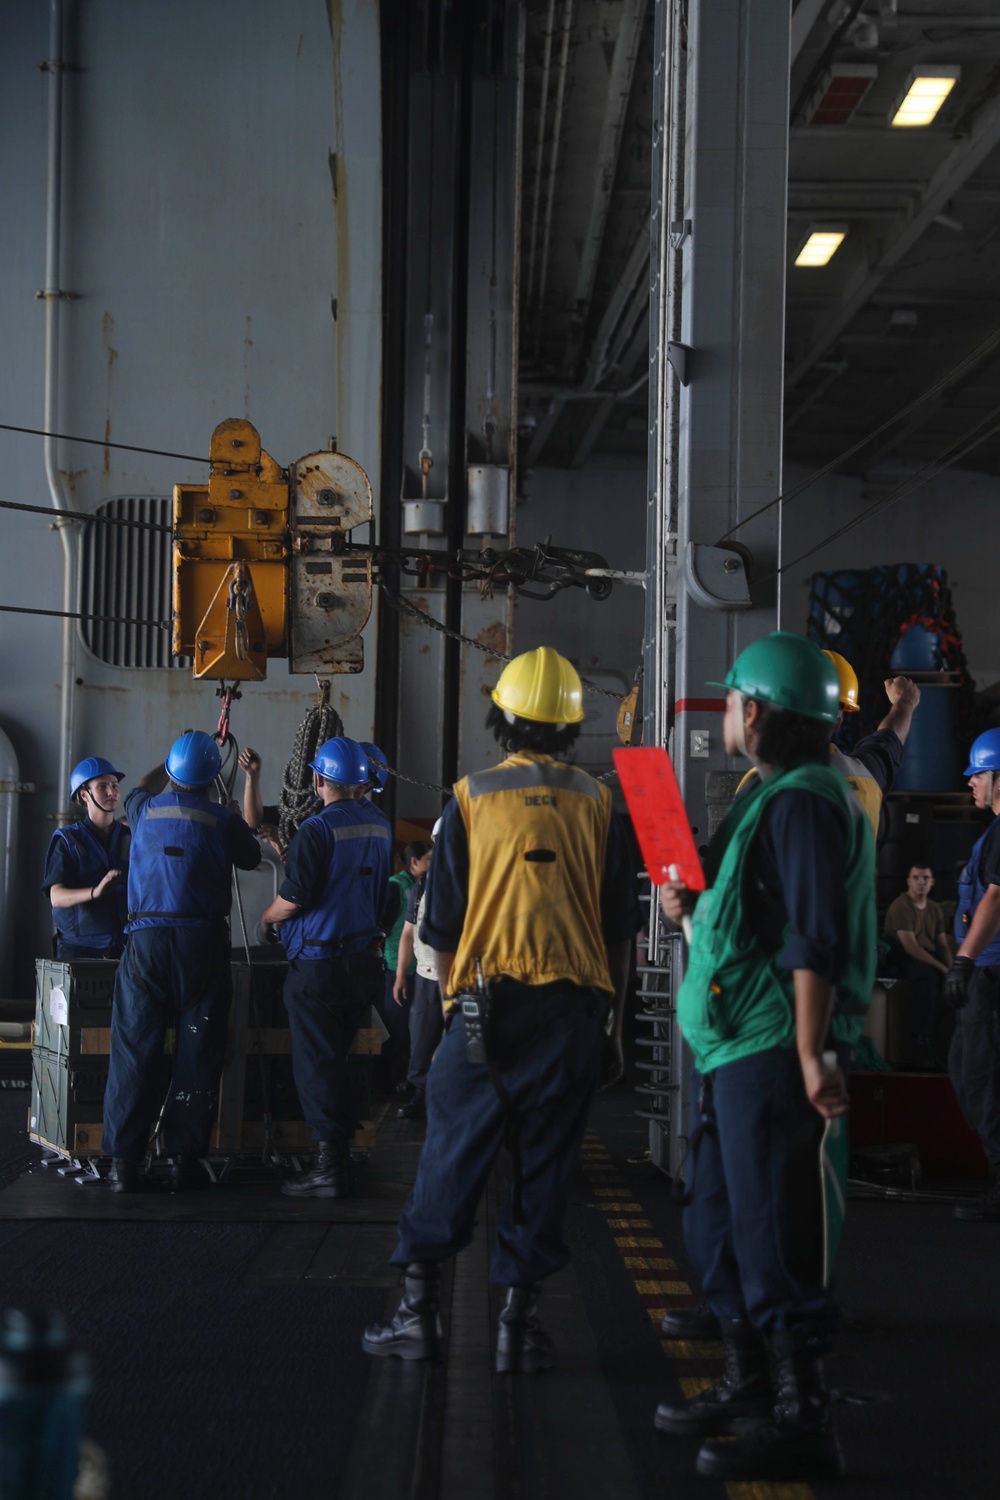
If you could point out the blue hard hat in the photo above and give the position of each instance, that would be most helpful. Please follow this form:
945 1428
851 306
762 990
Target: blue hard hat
94 765
342 760
194 760
985 753
378 766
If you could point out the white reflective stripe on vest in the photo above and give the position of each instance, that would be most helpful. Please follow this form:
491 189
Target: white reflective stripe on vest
189 814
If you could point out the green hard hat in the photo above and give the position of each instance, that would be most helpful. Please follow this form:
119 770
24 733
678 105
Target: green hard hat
787 670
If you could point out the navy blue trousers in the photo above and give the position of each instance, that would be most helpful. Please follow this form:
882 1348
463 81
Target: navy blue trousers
168 976
426 1026
974 1059
326 999
396 1047
66 951
754 1226
547 1049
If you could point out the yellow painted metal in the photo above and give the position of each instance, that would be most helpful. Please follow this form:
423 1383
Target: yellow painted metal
231 550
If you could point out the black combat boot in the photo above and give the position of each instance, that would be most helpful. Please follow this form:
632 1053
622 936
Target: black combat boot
523 1346
698 1322
330 1176
415 1331
187 1175
415 1107
986 1208
797 1442
743 1394
126 1177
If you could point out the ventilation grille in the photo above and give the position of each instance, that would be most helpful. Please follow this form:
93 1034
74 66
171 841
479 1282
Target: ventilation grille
126 575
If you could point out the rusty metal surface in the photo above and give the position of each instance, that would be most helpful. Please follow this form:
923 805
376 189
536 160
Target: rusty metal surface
330 593
330 601
331 488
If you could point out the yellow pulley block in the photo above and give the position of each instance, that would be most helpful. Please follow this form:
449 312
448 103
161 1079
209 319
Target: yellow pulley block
261 566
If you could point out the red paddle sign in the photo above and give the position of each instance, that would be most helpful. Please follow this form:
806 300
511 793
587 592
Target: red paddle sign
658 815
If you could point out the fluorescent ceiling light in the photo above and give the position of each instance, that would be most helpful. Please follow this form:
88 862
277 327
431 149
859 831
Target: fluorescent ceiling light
928 88
822 243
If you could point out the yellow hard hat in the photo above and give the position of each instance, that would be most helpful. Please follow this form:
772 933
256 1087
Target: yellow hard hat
541 685
848 680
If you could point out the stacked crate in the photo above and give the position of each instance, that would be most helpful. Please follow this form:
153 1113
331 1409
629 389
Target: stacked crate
72 1042
69 1055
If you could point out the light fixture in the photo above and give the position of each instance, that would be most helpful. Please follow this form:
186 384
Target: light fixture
841 90
927 88
823 241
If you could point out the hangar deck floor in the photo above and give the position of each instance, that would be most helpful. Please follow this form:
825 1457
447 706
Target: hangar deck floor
224 1332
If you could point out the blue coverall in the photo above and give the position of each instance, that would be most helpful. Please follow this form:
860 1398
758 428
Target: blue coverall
175 971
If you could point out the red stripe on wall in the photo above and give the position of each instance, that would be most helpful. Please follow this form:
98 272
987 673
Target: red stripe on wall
700 706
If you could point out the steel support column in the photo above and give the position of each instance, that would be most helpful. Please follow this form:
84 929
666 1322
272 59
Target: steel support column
720 186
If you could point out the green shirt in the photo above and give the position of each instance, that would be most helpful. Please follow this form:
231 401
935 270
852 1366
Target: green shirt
735 999
404 880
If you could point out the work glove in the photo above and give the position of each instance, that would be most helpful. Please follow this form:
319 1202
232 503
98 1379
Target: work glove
956 982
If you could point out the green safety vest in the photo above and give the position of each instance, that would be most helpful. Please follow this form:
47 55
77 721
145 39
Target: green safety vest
735 1000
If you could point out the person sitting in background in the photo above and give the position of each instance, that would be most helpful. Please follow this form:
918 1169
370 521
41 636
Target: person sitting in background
915 927
86 867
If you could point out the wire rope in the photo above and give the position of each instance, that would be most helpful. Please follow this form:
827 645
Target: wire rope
65 437
931 470
973 358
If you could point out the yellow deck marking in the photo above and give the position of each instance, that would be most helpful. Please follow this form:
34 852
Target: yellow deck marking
597 1160
689 1349
759 1490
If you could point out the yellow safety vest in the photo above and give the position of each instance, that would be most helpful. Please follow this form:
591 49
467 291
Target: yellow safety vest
861 780
537 832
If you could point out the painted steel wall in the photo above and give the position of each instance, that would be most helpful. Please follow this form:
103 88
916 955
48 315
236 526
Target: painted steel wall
222 244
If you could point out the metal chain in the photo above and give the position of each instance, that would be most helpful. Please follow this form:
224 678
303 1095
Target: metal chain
398 602
431 786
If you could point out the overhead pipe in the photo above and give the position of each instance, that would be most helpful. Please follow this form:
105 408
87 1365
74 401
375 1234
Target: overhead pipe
620 78
567 27
543 109
10 788
52 296
633 278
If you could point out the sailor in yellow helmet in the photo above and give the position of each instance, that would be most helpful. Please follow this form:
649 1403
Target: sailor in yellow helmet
872 765
531 896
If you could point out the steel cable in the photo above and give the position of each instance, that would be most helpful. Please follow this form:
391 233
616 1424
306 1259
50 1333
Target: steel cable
948 456
975 357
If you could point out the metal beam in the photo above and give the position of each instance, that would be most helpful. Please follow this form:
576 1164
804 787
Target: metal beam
621 74
593 429
960 163
804 18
